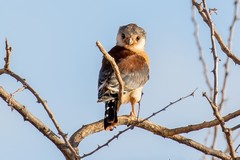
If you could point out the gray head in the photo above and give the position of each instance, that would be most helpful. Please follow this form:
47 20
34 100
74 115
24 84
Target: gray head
131 37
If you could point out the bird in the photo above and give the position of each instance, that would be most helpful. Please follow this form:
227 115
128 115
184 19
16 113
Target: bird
133 63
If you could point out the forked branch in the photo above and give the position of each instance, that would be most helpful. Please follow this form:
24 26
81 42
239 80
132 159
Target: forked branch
223 46
7 70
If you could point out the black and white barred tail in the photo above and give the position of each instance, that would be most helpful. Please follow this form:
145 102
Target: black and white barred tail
110 118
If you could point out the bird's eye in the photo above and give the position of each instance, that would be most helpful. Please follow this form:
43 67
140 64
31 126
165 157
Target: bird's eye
123 35
137 38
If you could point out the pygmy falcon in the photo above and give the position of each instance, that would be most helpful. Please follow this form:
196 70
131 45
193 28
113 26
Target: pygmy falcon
133 63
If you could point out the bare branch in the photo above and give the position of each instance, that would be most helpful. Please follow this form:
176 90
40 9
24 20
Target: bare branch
199 126
235 127
232 26
224 87
226 65
215 136
237 147
8 53
14 93
204 157
6 70
227 131
223 46
116 71
205 70
214 51
200 51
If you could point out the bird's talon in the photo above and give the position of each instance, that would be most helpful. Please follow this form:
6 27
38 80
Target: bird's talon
132 114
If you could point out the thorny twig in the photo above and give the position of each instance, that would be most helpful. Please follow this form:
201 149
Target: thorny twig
226 65
205 71
214 51
206 14
200 51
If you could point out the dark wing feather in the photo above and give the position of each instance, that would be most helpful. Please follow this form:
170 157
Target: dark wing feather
134 72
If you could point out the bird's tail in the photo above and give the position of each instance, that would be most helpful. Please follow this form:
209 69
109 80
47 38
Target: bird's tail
110 118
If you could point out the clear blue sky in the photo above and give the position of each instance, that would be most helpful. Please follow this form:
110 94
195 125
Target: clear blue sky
54 49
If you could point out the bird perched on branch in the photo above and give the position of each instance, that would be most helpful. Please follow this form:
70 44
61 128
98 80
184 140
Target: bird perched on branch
133 63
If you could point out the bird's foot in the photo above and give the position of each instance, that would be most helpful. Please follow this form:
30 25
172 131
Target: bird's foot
111 127
133 114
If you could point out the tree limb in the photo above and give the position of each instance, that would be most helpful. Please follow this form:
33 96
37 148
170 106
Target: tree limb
95 127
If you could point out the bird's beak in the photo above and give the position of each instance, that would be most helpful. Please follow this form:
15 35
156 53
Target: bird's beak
129 41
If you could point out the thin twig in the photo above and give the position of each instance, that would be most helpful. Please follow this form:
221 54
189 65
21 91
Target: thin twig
206 142
205 70
235 127
18 90
200 51
14 93
237 148
215 136
116 71
214 51
8 53
226 65
232 26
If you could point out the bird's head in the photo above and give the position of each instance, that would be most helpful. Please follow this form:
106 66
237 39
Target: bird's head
131 37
